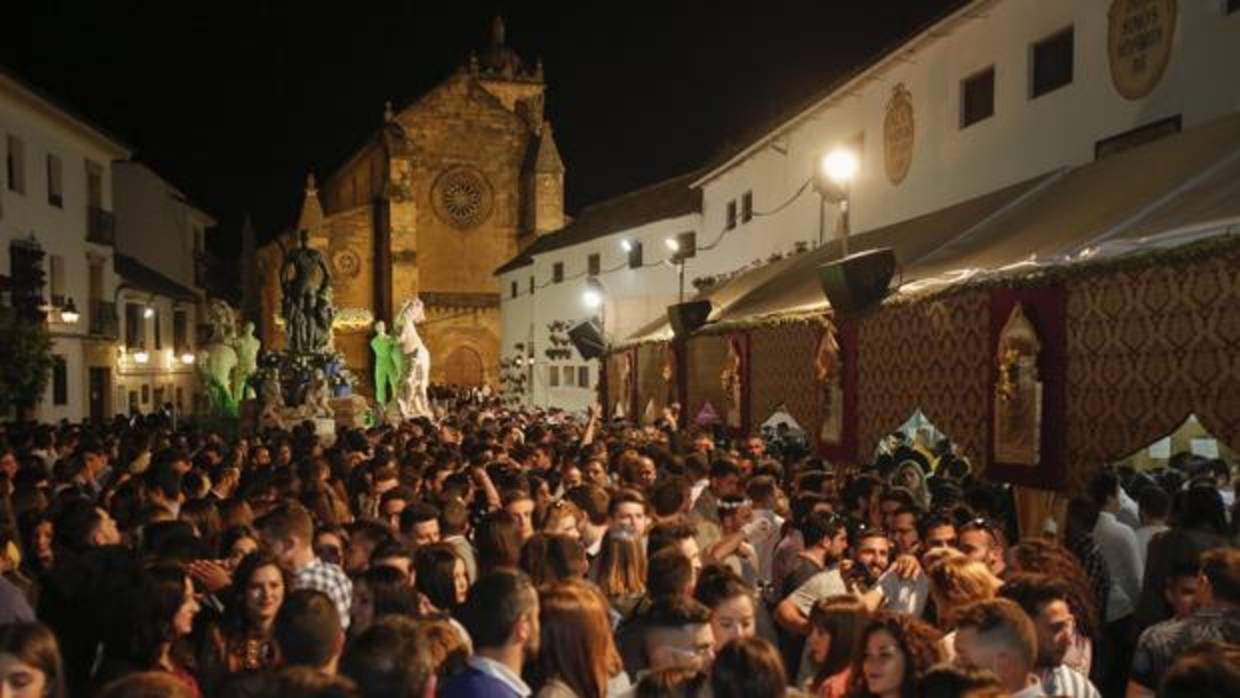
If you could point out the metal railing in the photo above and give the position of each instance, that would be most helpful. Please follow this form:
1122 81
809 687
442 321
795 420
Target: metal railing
100 226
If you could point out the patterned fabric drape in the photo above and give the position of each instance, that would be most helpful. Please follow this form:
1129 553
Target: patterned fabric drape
782 372
1147 348
933 355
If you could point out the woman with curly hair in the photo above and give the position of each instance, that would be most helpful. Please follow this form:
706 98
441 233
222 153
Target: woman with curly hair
893 653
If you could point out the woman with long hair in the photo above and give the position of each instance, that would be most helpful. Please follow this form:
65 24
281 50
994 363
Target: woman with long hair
621 570
894 651
836 623
441 577
748 667
731 603
498 541
257 592
577 654
379 591
30 663
164 610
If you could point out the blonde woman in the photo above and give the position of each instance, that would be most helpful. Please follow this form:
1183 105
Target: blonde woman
955 582
621 570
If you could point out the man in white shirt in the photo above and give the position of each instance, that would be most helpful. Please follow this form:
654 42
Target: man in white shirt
1117 543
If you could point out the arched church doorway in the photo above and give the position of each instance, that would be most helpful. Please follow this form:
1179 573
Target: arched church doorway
463 367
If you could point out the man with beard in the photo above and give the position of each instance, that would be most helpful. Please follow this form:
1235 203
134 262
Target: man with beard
1045 600
501 616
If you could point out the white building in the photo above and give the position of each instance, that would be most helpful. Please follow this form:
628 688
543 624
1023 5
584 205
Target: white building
997 93
621 245
57 187
160 243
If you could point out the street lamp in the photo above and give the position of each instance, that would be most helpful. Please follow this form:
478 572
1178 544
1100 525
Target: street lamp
69 313
148 312
595 294
833 179
188 357
141 356
678 259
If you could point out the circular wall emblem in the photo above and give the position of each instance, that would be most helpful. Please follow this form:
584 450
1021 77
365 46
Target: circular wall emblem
898 134
346 264
462 198
1139 42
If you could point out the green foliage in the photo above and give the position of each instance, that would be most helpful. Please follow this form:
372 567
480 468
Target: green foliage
27 363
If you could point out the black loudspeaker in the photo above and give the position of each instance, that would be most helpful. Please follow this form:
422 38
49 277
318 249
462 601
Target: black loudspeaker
587 337
858 281
687 317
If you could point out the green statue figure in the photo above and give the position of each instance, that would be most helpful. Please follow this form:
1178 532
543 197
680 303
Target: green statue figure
387 363
246 346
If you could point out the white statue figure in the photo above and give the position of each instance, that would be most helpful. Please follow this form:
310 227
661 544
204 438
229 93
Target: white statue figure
246 345
318 401
272 400
412 396
216 369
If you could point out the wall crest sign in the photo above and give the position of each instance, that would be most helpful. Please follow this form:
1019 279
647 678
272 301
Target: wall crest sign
1140 38
898 130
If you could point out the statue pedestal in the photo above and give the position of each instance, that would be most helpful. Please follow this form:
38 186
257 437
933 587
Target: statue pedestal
350 411
325 429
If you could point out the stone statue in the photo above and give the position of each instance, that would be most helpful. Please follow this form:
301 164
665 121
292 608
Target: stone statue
412 396
387 364
246 346
216 368
272 400
318 401
305 302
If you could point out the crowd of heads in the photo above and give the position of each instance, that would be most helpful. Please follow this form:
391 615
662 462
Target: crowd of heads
577 556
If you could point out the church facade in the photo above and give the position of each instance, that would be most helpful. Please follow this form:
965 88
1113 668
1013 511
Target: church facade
447 190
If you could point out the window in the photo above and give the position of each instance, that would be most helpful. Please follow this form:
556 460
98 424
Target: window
686 243
531 285
56 279
1052 63
635 255
135 337
731 215
180 330
55 182
977 97
553 376
557 272
1232 6
747 207
159 338
60 380
15 164
583 376
514 289
146 393
593 264
94 184
570 377
180 399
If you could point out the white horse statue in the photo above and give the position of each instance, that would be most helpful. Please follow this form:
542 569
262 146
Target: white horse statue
411 396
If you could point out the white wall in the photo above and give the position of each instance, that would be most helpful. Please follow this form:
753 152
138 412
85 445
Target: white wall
60 230
634 298
154 223
165 366
1023 139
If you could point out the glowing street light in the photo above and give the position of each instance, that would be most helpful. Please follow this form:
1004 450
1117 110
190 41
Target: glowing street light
840 166
69 313
626 245
148 312
188 357
595 294
672 244
141 356
833 179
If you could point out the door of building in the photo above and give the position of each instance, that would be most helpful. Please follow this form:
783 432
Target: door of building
100 384
463 367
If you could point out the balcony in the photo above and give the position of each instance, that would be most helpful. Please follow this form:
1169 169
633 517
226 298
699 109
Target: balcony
103 319
100 226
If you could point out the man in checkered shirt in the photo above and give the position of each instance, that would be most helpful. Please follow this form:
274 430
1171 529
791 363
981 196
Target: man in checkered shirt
289 532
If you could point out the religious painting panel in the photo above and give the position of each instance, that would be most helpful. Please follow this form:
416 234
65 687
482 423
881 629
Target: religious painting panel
654 392
930 354
705 361
1027 395
1147 347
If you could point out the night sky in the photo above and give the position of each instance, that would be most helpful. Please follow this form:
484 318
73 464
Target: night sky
234 102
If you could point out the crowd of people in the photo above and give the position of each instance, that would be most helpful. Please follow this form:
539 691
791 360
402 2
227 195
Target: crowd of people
506 553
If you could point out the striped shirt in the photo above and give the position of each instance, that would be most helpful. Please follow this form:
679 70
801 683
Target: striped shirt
1065 681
